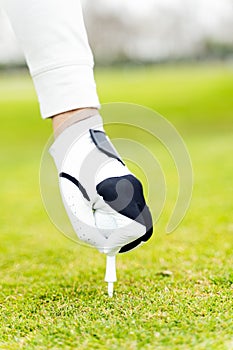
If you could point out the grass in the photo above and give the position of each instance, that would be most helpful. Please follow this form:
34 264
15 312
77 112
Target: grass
173 293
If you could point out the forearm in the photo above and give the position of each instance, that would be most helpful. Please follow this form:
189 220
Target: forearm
54 40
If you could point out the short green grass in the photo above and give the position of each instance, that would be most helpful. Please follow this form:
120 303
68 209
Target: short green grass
176 292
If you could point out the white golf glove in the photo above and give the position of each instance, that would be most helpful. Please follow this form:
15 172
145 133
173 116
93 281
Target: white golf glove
103 200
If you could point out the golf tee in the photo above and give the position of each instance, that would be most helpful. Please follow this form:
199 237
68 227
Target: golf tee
110 275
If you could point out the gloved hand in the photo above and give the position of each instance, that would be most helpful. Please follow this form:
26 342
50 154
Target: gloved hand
103 199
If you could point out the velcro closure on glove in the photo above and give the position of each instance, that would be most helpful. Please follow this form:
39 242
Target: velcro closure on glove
102 143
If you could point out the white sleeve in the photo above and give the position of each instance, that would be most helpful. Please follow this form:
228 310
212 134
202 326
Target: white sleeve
53 37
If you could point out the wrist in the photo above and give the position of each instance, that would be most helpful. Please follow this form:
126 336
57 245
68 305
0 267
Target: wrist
68 135
63 120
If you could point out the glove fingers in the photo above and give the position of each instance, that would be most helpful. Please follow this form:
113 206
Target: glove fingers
81 215
148 230
118 229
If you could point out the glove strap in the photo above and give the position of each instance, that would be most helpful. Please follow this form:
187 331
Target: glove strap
102 143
